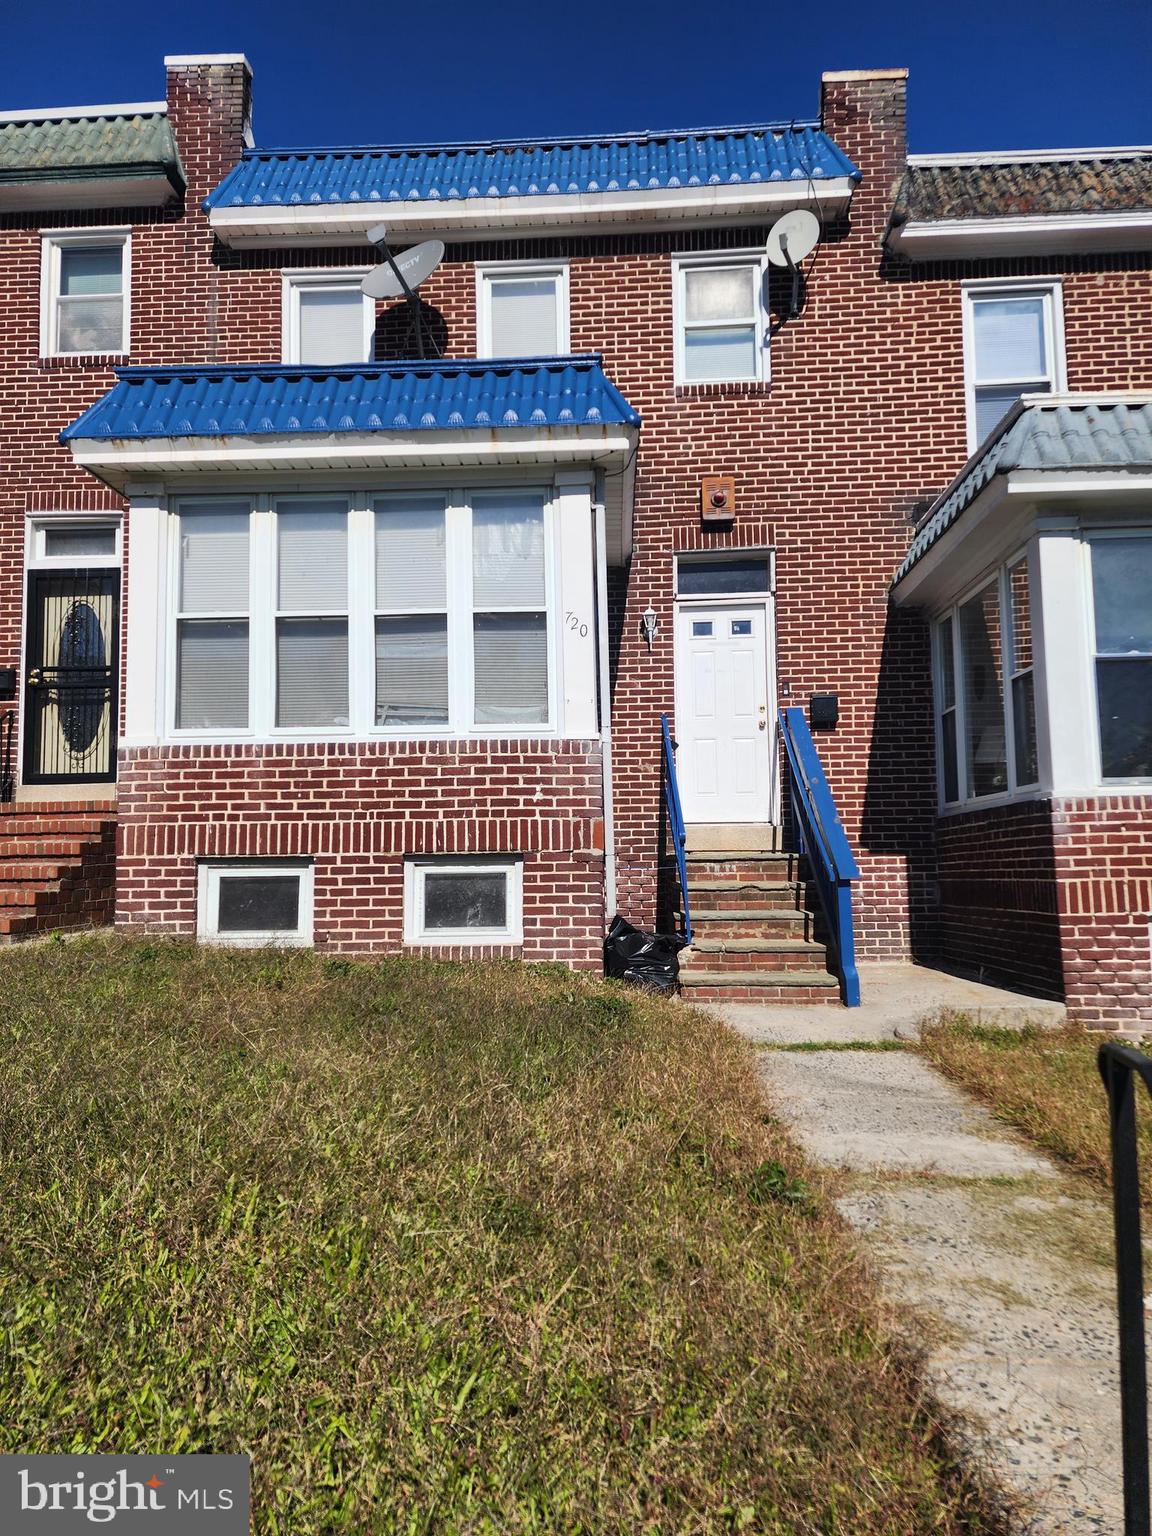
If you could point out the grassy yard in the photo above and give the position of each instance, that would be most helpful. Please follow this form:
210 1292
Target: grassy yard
476 1250
1044 1082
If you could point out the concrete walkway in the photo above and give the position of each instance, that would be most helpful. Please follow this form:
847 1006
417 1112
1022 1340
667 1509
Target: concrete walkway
1004 1261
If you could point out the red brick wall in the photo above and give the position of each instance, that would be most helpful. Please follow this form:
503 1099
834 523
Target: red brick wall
357 809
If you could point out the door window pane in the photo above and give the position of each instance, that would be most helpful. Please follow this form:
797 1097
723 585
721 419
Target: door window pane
470 899
258 904
412 670
79 543
984 747
699 578
312 672
511 668
212 674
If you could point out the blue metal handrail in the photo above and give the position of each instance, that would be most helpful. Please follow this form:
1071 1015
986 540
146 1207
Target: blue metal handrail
822 838
676 823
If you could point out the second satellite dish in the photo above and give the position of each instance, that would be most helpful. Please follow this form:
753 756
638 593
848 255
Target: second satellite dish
792 238
414 265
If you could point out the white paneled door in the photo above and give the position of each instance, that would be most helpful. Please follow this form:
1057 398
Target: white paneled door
724 714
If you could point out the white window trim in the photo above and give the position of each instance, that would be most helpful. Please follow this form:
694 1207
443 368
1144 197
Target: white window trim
1051 290
52 242
38 523
208 877
295 280
966 802
362 620
415 932
486 271
745 258
1090 537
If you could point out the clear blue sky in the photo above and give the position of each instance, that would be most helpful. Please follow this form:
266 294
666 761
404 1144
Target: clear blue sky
986 74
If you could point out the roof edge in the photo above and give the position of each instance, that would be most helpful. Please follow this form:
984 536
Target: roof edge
1028 156
79 114
131 372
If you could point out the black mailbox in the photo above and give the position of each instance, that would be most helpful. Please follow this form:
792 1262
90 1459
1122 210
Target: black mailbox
823 711
7 682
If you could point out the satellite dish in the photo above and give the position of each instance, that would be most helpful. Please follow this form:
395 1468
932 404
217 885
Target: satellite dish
414 265
792 238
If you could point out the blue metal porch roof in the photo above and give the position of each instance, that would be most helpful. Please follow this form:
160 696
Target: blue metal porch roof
1058 434
768 152
376 397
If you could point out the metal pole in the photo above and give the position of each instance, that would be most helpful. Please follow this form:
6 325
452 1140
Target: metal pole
1117 1071
411 295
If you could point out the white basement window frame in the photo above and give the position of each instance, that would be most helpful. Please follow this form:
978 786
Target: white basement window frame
418 872
992 759
526 333
86 293
992 380
220 902
746 316
326 286
488 617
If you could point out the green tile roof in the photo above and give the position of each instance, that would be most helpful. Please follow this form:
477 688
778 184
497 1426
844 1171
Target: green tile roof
1061 434
75 148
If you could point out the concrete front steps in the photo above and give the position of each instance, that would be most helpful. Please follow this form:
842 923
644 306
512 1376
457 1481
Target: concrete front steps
57 866
754 938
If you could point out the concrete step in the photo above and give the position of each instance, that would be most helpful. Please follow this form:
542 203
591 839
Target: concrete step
729 895
747 954
751 922
760 986
762 866
732 837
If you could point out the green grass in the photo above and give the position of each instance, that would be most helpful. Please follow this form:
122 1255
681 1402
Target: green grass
445 1249
1045 1083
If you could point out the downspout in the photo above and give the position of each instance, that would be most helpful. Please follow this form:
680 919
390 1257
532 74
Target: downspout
605 691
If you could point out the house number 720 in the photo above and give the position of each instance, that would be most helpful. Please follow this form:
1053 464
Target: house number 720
574 621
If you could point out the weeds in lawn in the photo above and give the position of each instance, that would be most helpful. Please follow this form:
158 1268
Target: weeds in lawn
479 1250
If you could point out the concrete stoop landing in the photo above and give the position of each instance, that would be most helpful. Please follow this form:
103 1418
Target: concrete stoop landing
57 866
754 936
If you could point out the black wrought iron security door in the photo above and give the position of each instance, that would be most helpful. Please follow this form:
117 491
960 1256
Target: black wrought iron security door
70 677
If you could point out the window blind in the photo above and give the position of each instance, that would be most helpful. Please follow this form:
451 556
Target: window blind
507 551
412 670
511 655
1009 339
523 316
312 672
312 540
212 674
410 556
331 325
214 559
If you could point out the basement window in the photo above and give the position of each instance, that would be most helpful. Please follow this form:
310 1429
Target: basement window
253 902
463 901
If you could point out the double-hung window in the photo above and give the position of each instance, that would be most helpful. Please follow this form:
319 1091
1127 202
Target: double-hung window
412 674
84 283
522 310
509 615
1122 604
213 605
327 319
312 613
721 320
985 699
1014 346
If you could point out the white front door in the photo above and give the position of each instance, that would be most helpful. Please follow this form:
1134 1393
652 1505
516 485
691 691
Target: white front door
724 713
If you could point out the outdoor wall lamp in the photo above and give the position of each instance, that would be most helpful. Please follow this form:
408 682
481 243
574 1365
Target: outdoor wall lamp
649 624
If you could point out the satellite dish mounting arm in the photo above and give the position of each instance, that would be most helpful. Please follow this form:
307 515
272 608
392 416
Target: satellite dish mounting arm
410 294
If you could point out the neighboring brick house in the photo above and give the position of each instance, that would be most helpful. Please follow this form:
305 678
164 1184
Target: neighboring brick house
398 635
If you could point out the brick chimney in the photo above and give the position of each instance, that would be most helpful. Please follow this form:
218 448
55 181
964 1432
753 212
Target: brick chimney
865 112
210 108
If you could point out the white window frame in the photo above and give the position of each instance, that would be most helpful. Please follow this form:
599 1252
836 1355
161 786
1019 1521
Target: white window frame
209 874
709 259
52 242
1089 538
263 610
38 524
1051 291
488 272
415 870
1015 791
296 281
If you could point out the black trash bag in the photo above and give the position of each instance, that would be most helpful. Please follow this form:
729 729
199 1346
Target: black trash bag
645 959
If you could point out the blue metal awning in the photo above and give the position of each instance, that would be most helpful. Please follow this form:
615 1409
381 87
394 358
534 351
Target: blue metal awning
445 396
636 162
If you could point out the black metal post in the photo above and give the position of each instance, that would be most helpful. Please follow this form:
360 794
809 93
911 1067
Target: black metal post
1119 1065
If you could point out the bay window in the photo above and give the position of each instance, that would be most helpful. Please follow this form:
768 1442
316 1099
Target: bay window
1122 619
985 696
401 613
